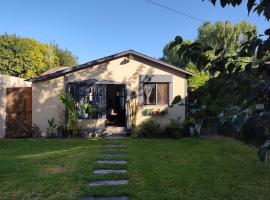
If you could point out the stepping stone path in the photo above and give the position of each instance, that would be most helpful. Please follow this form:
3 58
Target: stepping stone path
112 147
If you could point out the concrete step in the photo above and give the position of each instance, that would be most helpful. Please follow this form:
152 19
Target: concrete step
115 136
108 182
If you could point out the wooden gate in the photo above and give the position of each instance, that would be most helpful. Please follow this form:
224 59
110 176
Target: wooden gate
19 112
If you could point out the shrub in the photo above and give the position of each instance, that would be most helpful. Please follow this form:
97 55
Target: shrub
174 129
152 129
177 99
148 129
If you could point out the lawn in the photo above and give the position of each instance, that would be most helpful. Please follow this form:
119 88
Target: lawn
189 168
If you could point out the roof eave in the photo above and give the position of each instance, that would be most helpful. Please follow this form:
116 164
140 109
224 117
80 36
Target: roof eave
106 59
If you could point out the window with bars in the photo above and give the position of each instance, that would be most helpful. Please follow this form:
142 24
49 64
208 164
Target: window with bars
89 94
156 93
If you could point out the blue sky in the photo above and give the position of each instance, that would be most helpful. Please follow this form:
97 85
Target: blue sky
96 28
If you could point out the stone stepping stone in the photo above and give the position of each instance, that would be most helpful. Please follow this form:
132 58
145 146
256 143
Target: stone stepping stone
105 198
113 149
114 145
110 171
113 154
108 182
121 162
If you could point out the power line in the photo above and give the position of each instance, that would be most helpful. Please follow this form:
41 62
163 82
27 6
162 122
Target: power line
174 10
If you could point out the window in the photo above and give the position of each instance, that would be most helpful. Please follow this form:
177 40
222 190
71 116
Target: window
156 93
84 94
162 93
149 93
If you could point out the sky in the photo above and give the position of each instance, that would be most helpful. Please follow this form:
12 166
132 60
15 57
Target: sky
92 29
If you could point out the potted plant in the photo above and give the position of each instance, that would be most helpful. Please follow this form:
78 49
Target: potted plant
60 131
51 130
36 132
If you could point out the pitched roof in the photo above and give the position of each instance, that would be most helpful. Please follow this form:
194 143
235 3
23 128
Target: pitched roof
106 59
52 70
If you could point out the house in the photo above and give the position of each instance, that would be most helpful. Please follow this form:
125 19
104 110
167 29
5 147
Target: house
125 89
15 107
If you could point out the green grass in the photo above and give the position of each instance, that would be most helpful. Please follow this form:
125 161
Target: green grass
189 168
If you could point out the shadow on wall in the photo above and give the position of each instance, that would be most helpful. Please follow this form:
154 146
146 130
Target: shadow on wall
46 101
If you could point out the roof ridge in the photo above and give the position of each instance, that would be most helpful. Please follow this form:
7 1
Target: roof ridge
105 59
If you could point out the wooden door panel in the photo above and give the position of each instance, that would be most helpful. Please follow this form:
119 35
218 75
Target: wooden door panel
19 112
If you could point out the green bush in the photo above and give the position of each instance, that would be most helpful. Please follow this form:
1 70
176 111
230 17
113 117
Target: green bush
152 129
174 129
177 99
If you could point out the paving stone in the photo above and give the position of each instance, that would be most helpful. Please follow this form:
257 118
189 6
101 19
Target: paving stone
113 149
106 198
113 154
115 145
110 171
108 182
122 162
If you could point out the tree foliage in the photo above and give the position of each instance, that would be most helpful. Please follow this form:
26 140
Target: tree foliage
170 54
235 101
237 96
225 35
258 6
27 58
211 39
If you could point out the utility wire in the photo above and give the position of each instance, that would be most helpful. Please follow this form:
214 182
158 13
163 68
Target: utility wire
174 10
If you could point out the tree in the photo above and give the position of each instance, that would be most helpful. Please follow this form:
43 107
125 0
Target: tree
225 35
170 55
217 36
27 58
190 55
66 58
260 49
259 6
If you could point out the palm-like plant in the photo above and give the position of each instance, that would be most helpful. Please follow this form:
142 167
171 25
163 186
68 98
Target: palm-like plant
72 112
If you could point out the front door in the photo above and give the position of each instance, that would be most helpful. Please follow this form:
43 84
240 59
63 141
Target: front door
19 112
116 111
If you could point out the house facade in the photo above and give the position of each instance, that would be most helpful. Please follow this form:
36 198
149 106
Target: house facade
124 89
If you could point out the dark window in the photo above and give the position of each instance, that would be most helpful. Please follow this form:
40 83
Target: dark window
84 94
156 93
